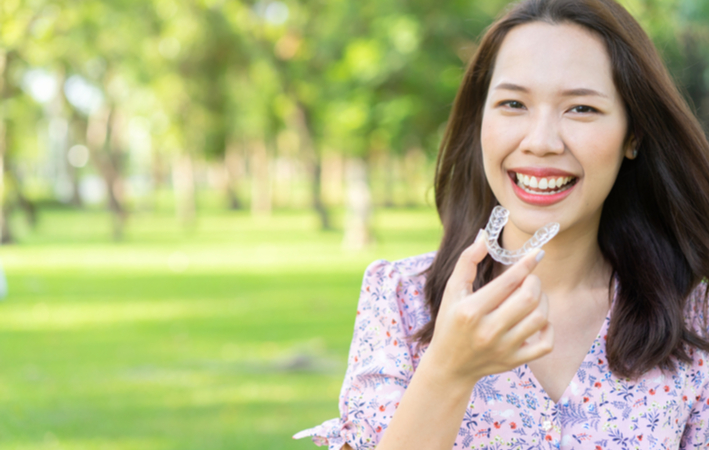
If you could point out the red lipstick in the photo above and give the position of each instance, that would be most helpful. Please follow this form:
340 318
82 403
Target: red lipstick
541 172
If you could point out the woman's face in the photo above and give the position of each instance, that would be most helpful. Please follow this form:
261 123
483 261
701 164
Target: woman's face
554 127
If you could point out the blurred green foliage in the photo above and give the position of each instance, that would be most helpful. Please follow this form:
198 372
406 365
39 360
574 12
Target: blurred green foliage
302 79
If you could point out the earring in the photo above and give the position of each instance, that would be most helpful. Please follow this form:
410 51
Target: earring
634 144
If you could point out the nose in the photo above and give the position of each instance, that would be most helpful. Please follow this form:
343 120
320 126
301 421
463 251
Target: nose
543 135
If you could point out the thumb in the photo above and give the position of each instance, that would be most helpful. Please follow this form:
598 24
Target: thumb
467 265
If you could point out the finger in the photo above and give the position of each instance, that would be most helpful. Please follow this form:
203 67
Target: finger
519 304
499 289
544 304
544 308
467 265
533 322
539 349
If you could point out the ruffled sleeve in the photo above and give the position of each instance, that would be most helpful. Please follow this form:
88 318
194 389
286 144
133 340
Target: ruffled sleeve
696 430
380 363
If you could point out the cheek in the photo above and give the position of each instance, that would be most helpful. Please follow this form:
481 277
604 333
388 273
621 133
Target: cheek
496 144
487 133
601 162
487 145
600 145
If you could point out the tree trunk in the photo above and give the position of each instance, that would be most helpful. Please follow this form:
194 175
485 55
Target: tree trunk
103 147
4 230
6 206
260 179
118 212
391 170
314 161
77 128
184 189
316 187
359 206
27 206
234 168
76 195
63 131
3 144
6 236
414 162
233 200
332 179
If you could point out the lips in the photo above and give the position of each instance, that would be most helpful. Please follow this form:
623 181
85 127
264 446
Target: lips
542 186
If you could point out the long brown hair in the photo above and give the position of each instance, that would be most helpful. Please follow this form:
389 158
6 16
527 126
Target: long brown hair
654 224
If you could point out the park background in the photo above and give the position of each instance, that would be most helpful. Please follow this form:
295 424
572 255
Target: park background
191 191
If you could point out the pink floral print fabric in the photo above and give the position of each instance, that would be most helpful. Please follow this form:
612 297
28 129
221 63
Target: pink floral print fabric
511 410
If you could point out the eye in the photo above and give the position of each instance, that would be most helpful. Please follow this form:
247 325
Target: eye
582 109
512 104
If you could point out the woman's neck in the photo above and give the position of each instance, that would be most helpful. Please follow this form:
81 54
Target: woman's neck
573 260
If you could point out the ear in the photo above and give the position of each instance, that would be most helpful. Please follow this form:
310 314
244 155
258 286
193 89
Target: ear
631 147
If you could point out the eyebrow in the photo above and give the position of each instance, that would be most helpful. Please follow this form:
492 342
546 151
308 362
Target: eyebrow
578 92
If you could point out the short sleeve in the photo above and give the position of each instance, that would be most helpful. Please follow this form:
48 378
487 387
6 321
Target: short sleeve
379 365
696 313
695 435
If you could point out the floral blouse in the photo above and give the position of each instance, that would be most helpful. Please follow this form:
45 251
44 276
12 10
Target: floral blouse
511 410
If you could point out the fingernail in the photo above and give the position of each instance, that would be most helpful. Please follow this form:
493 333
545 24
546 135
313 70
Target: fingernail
479 235
540 255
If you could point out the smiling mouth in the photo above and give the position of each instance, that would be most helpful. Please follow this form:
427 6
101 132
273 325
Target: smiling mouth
542 185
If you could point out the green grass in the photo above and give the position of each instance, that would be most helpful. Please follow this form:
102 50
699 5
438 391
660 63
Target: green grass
233 335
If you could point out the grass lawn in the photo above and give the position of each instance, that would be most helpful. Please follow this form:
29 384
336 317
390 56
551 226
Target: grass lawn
231 336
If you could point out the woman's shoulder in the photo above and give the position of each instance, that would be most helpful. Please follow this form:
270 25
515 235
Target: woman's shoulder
411 267
696 309
395 290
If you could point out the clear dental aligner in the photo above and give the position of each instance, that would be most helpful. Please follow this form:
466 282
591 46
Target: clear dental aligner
498 219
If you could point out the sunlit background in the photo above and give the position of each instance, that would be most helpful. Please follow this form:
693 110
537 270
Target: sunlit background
191 191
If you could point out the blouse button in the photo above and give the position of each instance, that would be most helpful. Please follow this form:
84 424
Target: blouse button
547 425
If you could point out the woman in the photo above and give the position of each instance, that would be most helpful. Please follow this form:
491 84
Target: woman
565 114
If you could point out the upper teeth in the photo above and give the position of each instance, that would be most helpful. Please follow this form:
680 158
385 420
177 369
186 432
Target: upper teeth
542 183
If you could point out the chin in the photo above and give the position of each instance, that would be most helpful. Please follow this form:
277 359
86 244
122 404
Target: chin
529 222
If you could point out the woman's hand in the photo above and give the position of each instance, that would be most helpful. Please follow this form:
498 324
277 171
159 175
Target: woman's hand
476 334
484 332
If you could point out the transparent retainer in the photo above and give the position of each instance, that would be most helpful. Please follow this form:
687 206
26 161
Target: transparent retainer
498 219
